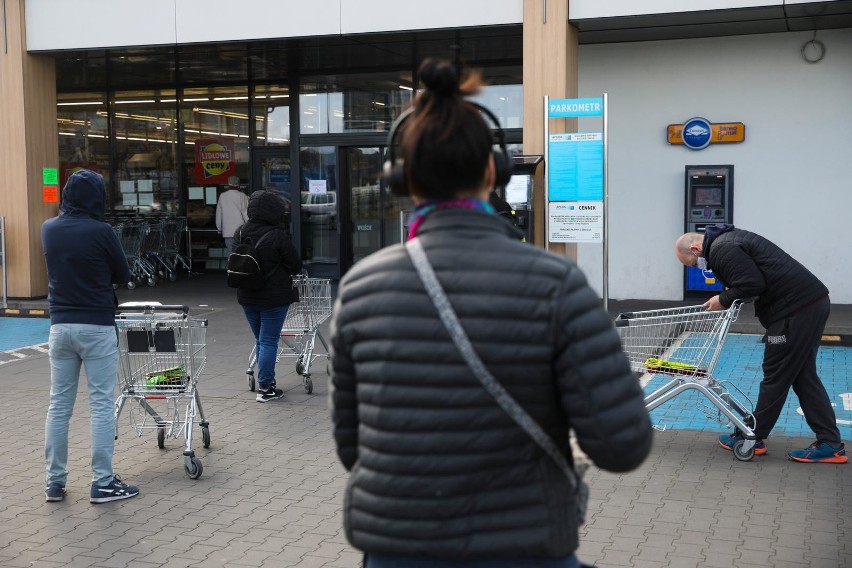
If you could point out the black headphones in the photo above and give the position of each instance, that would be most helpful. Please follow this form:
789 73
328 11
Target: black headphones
394 167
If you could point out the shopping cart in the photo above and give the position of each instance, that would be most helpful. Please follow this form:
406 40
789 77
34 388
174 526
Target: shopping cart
162 352
685 343
173 232
132 235
301 329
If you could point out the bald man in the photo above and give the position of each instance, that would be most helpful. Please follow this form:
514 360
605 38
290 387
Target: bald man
793 305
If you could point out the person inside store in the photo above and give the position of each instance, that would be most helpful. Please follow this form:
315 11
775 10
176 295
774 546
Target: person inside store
442 472
266 308
84 260
793 305
231 211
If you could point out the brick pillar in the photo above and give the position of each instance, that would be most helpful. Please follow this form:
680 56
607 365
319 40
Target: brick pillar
550 68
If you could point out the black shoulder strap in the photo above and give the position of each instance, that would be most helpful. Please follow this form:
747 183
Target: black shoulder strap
260 240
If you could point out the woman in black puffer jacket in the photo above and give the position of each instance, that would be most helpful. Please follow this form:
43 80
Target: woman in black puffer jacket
266 308
441 476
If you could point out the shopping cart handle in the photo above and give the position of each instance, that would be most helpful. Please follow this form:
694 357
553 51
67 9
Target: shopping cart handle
151 307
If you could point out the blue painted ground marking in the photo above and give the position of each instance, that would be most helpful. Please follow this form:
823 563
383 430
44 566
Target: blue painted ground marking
740 363
23 332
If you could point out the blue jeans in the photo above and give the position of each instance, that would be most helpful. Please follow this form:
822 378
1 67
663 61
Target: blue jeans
266 323
96 347
381 561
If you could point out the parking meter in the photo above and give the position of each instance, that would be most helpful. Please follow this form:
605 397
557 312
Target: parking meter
709 200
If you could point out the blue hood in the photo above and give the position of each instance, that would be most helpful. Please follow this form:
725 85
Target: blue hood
710 234
84 194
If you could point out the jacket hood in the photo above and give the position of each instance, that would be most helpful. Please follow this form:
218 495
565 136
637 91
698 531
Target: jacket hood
267 207
84 194
710 234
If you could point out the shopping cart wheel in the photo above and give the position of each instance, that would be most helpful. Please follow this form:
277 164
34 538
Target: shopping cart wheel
172 276
193 467
741 454
161 437
300 366
152 281
205 436
131 285
250 377
309 384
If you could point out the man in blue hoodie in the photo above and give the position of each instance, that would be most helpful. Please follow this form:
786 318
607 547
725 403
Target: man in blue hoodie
84 259
793 305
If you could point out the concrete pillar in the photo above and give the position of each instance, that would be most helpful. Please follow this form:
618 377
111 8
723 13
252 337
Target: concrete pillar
28 143
550 68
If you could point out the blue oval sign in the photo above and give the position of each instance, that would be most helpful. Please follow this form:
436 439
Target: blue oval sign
697 133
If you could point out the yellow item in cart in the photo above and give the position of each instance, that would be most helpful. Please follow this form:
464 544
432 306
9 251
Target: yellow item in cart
654 365
172 376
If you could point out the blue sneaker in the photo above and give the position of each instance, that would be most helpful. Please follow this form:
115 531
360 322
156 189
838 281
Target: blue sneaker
113 491
820 452
54 492
728 441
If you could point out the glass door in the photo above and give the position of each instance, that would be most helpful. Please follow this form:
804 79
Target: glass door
319 219
374 220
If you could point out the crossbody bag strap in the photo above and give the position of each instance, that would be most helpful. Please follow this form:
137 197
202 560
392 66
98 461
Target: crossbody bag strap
494 388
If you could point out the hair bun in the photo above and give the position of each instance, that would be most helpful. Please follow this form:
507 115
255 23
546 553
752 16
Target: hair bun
440 77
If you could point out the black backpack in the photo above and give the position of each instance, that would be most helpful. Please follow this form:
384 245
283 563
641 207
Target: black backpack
244 265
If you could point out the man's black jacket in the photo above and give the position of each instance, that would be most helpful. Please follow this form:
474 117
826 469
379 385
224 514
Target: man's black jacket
752 266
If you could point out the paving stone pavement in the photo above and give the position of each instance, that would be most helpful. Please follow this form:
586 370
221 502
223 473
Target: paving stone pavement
271 491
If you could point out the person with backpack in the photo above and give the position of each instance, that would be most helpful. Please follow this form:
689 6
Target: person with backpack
265 298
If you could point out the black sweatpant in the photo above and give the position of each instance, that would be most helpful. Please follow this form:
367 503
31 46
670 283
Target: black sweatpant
789 359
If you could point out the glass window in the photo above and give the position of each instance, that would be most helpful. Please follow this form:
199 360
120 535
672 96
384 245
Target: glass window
271 105
81 70
83 135
387 51
135 67
145 131
215 123
206 63
503 94
335 104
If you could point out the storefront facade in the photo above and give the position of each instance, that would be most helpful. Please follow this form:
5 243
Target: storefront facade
167 127
298 98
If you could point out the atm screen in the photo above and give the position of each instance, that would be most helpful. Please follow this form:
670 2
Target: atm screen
708 197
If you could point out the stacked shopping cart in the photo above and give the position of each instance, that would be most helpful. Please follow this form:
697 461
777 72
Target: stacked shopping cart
301 329
152 248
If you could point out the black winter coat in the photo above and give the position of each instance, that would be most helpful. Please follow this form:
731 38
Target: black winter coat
267 214
437 468
751 266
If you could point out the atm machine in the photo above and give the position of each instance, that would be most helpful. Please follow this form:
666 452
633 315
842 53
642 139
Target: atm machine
709 200
519 193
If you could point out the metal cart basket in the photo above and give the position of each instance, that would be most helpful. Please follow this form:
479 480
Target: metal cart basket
301 329
162 352
684 344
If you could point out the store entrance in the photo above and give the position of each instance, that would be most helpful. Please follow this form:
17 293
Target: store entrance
270 170
346 213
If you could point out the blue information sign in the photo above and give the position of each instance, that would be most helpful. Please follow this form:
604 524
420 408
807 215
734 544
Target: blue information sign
576 167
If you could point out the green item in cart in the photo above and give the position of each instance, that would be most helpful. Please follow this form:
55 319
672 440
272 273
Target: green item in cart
172 376
654 365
